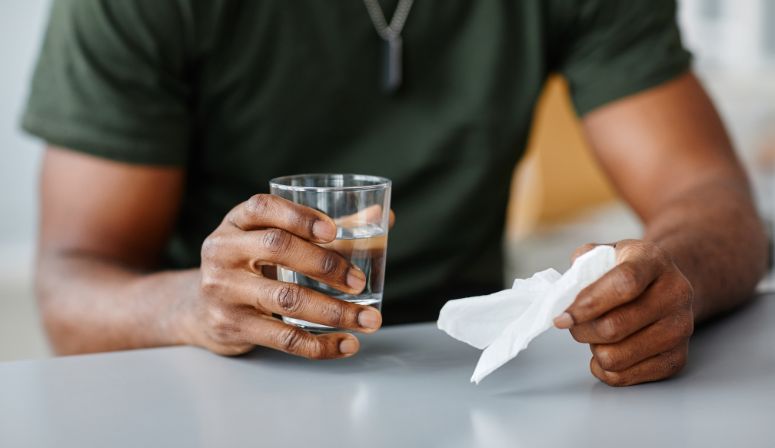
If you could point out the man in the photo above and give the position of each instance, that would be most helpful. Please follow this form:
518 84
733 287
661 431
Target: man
165 121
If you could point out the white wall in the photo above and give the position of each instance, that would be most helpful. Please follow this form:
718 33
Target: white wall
21 26
730 34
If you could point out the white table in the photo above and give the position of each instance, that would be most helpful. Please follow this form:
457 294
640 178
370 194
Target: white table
409 387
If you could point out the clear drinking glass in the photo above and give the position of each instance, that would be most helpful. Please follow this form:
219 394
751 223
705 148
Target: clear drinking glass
360 206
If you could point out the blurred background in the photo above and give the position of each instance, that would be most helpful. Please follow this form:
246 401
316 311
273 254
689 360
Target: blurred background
21 22
559 201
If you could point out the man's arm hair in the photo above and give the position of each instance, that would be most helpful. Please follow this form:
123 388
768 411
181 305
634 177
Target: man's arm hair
668 155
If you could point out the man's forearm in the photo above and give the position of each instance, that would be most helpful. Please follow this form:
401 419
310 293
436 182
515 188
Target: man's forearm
716 238
90 304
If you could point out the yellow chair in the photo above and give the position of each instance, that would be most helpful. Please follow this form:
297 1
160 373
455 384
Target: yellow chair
558 179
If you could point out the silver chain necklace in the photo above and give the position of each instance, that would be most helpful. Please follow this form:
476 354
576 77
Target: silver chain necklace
391 34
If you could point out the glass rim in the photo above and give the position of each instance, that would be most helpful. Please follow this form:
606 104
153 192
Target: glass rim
283 182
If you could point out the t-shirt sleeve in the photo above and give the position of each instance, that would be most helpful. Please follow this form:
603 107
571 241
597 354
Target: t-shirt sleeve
616 48
110 81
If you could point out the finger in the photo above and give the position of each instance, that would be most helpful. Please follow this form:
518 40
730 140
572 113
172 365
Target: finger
269 332
581 250
659 367
620 285
625 320
282 248
369 215
266 210
657 338
292 300
362 247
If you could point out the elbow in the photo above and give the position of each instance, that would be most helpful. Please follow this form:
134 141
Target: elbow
50 291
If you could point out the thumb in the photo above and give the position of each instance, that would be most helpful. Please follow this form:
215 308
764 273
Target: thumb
581 250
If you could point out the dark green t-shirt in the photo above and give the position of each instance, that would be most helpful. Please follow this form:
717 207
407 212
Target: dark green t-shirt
240 91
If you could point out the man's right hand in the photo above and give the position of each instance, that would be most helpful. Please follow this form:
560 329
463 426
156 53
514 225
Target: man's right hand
233 310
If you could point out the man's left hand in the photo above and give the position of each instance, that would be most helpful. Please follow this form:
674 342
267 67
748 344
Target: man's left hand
637 318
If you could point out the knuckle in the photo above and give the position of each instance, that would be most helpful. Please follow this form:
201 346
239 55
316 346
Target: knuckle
674 362
585 301
615 379
304 221
627 280
644 248
689 326
214 282
291 340
222 327
628 243
335 314
644 251
609 378
289 298
316 351
276 241
606 357
329 263
259 204
647 247
685 293
627 248
685 327
655 252
211 247
608 328
210 283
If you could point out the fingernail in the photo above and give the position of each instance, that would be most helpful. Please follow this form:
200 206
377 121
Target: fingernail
564 320
370 318
323 230
356 279
348 346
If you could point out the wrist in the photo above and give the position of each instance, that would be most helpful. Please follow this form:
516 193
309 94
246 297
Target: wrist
176 323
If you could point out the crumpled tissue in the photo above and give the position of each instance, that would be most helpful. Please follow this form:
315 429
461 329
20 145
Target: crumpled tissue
503 324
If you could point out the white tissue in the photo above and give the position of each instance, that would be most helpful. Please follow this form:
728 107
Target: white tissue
505 322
